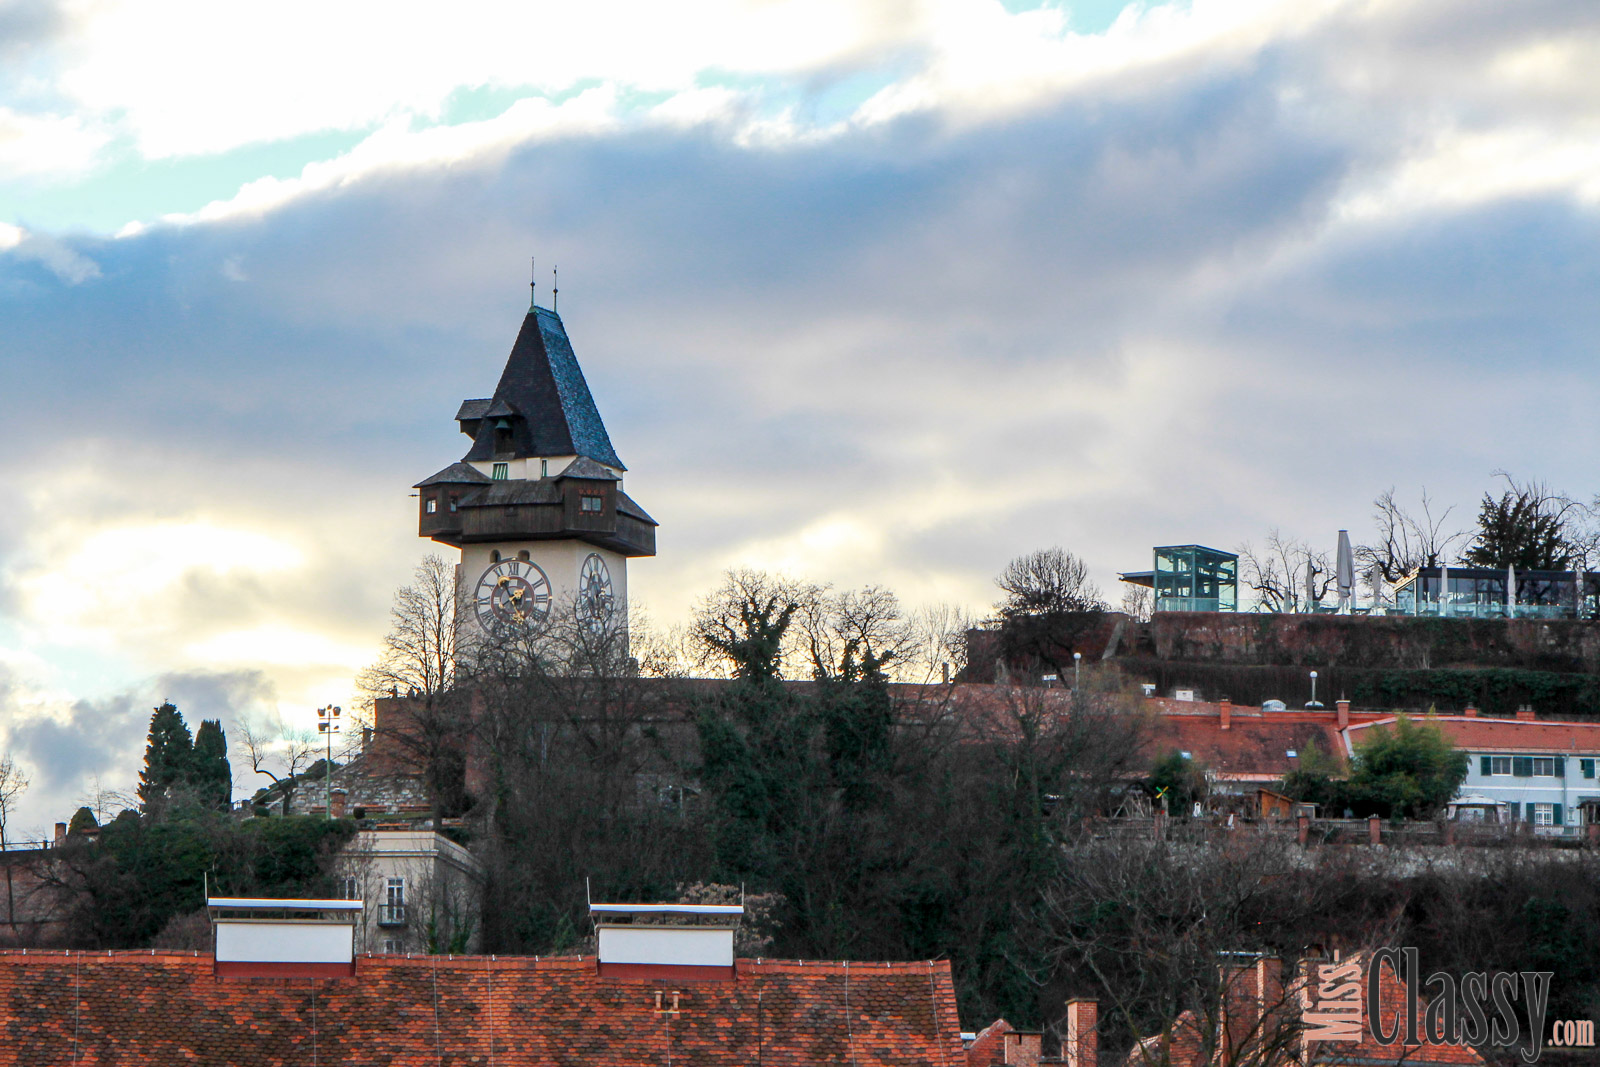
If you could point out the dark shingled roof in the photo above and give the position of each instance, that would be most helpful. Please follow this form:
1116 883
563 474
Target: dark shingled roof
473 409
455 474
515 491
584 467
626 506
543 387
166 1008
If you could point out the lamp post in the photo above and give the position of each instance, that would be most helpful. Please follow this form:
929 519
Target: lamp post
1313 702
329 723
1077 662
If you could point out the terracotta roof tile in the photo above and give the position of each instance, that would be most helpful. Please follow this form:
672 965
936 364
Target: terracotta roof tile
128 1008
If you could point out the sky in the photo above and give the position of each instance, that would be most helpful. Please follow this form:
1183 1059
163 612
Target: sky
868 291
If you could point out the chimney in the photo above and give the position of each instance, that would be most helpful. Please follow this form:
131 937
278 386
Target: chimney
366 738
61 834
1227 712
1526 713
1081 1046
1021 1049
1344 712
1470 712
338 803
1252 1004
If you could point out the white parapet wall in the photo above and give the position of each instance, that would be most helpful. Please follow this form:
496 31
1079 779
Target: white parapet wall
257 941
268 938
671 946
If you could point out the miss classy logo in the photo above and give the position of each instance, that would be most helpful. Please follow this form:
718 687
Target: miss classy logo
1478 1009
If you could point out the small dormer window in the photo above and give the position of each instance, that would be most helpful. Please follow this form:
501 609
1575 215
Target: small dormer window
544 468
433 506
502 471
592 503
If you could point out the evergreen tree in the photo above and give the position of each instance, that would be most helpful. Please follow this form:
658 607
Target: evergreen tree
1526 528
210 774
83 819
1411 771
168 758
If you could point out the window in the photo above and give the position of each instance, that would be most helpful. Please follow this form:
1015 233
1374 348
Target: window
502 471
1501 765
544 468
592 503
452 502
350 889
1586 767
1544 766
391 946
393 912
433 507
1544 815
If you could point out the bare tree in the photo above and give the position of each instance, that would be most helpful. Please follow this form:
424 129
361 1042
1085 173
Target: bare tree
843 632
1167 934
1045 582
1137 602
1407 538
13 783
744 625
105 802
288 750
420 650
940 649
1286 575
423 653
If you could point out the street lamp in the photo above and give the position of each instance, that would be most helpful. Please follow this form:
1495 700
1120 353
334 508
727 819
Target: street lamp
1312 703
329 723
1077 662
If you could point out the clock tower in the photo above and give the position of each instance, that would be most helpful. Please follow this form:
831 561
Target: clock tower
536 505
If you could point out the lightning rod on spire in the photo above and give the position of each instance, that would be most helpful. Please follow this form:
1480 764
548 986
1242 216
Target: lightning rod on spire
533 283
555 288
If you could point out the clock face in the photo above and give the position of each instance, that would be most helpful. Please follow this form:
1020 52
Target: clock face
513 592
595 599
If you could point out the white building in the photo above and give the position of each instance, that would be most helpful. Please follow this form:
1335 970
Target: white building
423 892
1544 773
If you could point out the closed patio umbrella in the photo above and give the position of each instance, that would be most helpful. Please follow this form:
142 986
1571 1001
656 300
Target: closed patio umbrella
1346 568
1511 590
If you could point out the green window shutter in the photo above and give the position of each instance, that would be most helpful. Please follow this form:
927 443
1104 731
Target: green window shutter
1586 767
1561 766
1522 766
1556 819
1486 766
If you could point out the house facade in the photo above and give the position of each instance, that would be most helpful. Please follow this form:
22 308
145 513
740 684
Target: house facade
1543 773
423 892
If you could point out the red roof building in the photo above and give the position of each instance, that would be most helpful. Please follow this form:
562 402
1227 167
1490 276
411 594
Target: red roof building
155 1007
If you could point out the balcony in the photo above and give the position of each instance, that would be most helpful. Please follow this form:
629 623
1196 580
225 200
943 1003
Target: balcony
391 915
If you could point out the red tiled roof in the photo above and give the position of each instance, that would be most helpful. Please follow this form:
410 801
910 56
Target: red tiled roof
1254 747
989 1048
127 1008
1504 735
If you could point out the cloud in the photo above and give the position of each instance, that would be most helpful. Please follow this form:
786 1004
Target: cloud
1221 269
55 255
70 748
